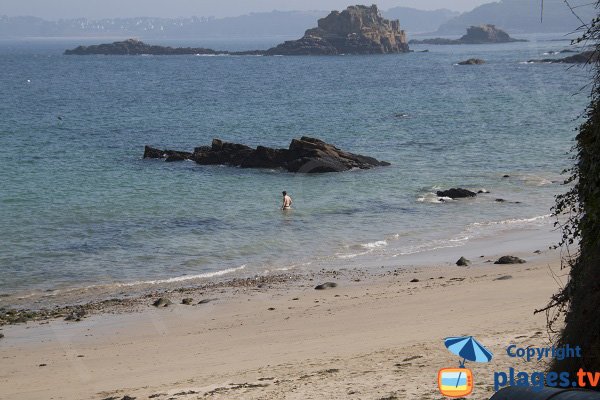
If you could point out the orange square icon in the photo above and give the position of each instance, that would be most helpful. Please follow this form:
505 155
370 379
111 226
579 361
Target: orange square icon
455 382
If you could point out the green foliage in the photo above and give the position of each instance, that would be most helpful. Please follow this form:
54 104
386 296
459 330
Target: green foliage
578 216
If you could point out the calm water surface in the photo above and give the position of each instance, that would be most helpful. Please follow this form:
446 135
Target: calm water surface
79 206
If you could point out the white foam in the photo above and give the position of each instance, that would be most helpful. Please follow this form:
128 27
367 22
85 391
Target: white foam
433 198
374 245
511 221
185 277
352 255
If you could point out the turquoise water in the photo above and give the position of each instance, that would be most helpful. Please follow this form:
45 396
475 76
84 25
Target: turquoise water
79 206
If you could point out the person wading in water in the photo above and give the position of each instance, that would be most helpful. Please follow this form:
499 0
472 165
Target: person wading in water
287 201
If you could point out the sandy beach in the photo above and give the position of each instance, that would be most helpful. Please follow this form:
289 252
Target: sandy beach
377 335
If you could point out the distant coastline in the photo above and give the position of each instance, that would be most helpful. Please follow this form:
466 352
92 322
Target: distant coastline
356 30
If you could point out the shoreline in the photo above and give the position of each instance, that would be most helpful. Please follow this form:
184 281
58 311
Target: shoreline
372 336
42 305
117 297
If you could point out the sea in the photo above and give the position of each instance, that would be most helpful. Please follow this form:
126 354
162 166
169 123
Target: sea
80 208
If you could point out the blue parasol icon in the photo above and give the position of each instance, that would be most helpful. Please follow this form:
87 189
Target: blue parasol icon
469 349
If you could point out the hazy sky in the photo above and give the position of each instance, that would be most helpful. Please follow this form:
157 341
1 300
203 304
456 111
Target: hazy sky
54 9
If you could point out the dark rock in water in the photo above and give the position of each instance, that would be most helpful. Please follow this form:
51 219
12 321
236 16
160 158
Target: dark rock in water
504 278
150 152
415 280
326 285
303 155
133 47
506 176
187 301
581 58
169 155
482 34
177 156
463 262
482 191
356 30
510 260
500 200
1 335
472 61
162 302
537 252
456 193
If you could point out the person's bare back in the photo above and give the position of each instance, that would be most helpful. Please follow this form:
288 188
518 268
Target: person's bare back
287 201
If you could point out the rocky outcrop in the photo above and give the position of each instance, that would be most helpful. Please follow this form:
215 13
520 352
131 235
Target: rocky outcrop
135 47
482 34
580 58
487 34
303 155
356 30
456 193
472 61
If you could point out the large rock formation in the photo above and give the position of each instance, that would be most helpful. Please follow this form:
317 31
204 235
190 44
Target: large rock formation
482 34
135 47
303 155
356 30
487 34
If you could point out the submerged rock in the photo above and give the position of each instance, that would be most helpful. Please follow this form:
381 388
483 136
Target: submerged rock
356 30
580 58
306 154
456 193
510 260
482 34
472 61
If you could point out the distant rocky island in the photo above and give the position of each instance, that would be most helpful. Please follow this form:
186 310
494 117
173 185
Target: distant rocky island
135 47
482 34
356 30
307 155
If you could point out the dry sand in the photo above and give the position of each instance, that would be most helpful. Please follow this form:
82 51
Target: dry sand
375 336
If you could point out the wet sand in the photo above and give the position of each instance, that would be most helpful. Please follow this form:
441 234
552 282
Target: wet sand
377 335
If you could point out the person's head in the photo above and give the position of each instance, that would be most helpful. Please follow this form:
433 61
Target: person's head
284 193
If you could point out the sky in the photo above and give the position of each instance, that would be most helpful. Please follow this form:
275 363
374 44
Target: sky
56 9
